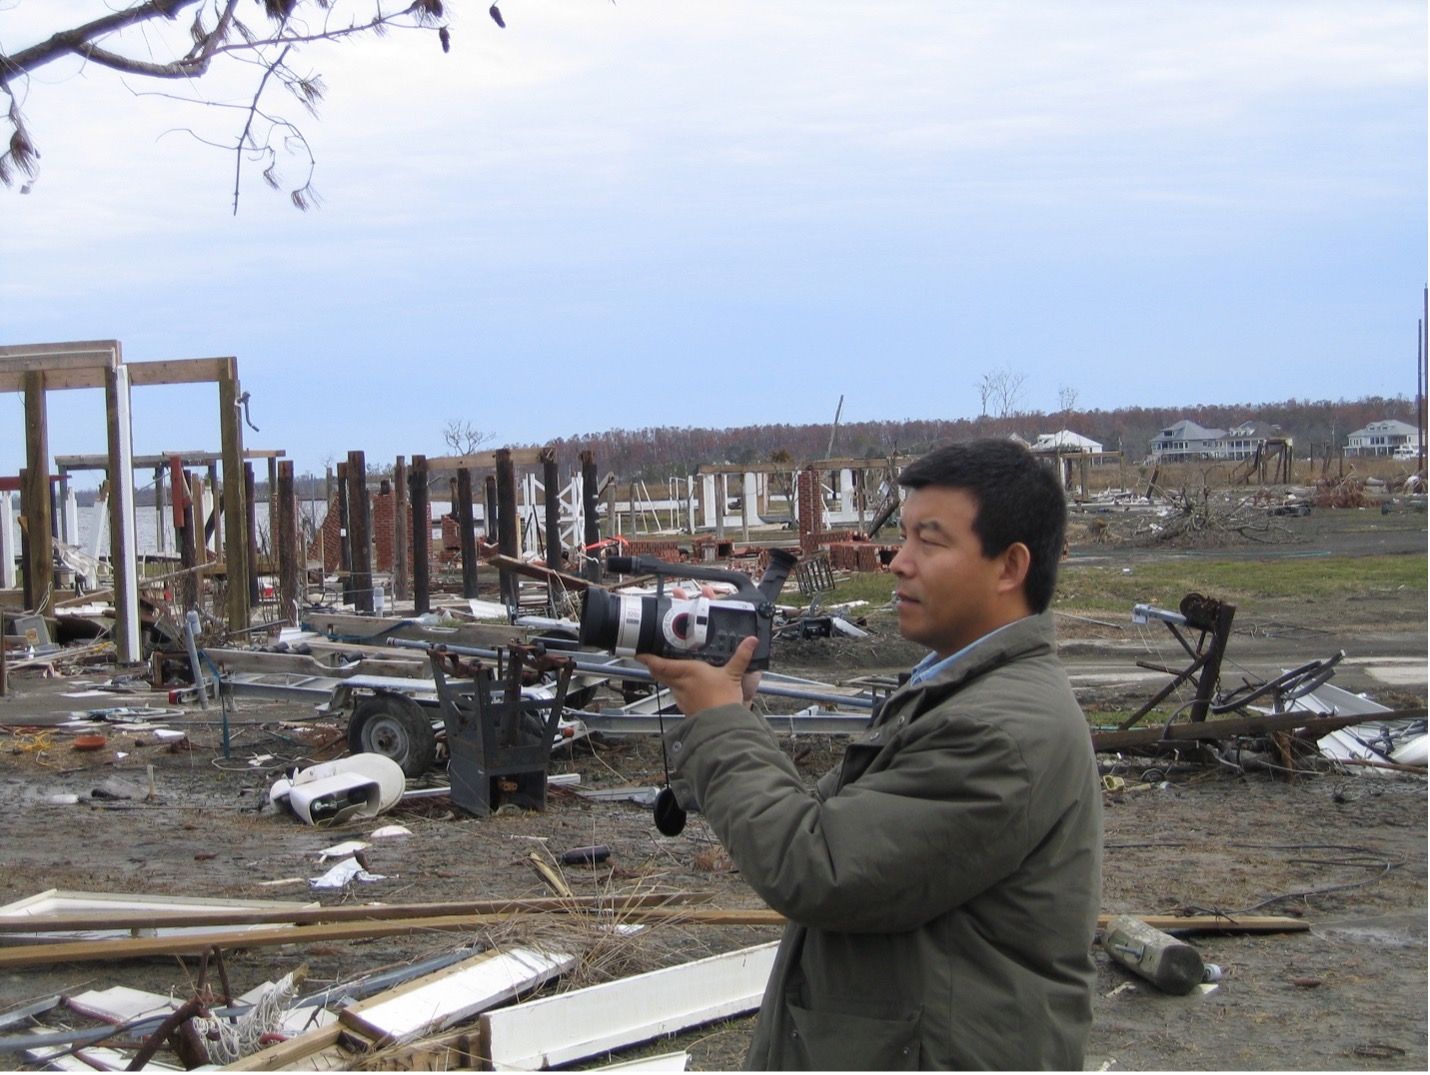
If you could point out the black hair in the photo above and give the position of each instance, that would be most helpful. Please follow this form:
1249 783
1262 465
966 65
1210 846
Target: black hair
1019 499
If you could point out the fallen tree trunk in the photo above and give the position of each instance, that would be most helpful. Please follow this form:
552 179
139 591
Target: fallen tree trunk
1316 726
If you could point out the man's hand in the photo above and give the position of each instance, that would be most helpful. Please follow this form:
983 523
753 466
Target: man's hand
698 686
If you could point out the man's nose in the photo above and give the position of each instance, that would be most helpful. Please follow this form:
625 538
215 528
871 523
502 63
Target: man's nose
899 564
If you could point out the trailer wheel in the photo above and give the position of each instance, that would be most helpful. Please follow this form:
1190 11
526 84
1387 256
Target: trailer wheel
394 727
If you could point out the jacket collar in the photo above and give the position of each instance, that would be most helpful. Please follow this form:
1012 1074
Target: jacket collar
1028 637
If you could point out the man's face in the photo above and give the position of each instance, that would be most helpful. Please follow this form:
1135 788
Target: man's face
948 591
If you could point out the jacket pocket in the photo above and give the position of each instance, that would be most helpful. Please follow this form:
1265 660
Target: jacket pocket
826 1041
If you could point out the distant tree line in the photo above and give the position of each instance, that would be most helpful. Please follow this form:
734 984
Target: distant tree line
657 453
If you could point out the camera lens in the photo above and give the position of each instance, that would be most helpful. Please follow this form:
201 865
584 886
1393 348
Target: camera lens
623 625
600 619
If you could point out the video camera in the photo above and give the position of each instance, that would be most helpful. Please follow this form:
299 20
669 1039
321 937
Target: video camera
704 628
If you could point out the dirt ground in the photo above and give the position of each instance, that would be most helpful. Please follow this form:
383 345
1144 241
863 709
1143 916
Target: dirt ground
1344 852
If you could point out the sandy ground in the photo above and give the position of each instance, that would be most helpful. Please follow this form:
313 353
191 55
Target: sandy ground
1345 853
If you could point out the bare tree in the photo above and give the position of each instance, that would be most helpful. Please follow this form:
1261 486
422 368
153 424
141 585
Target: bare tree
138 39
462 437
1002 389
1067 399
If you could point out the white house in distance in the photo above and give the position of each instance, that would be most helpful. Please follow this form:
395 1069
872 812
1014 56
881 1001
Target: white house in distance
1388 437
1185 441
1065 440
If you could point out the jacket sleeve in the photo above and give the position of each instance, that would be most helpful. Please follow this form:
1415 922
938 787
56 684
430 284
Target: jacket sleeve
945 818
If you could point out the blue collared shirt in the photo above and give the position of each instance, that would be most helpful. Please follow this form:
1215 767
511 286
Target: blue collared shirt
931 665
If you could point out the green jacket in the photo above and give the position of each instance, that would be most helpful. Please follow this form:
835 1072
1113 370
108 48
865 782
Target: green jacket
942 883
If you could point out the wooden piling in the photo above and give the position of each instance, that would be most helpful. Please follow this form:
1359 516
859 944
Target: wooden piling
467 535
591 523
37 531
550 477
421 535
360 526
508 538
250 510
401 590
287 545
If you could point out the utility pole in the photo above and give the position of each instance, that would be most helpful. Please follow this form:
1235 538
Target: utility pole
1422 379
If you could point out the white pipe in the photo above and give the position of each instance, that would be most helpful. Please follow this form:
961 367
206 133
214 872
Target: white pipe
7 541
125 558
71 518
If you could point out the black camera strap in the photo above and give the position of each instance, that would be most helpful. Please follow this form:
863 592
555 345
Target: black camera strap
669 815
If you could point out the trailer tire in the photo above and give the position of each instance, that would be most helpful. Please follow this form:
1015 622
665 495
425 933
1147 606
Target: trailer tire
397 728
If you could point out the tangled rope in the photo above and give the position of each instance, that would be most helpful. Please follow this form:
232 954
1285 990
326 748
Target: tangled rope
227 1041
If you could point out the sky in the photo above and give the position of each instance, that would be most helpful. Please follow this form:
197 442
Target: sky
689 213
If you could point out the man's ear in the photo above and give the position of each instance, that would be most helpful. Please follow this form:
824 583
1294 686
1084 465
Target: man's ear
1016 561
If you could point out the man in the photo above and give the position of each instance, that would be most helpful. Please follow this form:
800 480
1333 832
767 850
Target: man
942 883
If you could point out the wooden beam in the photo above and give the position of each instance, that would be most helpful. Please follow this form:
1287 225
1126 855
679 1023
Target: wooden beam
483 460
55 380
96 355
536 571
183 371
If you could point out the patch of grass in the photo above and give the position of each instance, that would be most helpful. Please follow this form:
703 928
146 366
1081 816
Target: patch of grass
1242 581
872 586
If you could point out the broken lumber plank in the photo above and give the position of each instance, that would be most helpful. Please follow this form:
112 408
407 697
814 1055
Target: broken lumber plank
536 571
586 1022
437 1001
159 919
193 943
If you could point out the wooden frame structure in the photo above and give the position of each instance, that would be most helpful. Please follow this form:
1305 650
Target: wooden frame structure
36 369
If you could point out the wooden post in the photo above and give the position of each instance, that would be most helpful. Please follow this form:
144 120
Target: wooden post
466 533
217 516
196 507
401 591
37 556
508 539
360 526
161 534
550 477
286 545
421 535
235 513
250 507
489 509
186 588
745 511
591 524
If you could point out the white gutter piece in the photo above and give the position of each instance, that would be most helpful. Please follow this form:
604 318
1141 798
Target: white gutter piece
446 997
587 1022
664 1062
